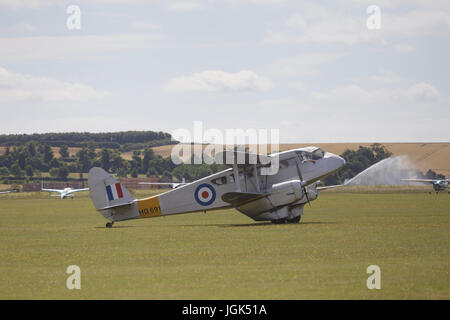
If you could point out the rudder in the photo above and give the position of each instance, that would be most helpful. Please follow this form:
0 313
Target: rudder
110 197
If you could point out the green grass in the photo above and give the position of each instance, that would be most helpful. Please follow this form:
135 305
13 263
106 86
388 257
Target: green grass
224 254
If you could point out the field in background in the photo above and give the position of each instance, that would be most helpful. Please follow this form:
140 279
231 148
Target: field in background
425 156
224 254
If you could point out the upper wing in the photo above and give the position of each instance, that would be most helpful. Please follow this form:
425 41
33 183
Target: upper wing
241 158
78 190
420 180
52 190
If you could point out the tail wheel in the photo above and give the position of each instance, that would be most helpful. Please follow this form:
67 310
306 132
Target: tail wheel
109 224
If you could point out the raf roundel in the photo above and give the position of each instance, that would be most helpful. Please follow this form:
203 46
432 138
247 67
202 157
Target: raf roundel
205 194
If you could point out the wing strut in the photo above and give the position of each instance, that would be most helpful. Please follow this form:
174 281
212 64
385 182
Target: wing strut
236 176
255 171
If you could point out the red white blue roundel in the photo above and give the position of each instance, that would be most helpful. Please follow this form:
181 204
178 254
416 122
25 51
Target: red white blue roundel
205 194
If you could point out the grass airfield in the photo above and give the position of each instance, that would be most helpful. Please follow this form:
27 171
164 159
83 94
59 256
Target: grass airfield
225 255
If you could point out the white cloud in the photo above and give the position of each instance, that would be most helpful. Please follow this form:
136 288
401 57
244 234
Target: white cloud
217 80
20 4
18 87
302 65
58 47
401 97
416 23
325 27
423 91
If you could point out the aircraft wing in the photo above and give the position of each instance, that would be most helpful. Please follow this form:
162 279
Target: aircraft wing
237 199
329 187
242 158
52 190
78 190
420 180
3 192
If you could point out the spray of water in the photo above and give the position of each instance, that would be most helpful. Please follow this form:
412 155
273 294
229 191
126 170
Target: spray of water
386 172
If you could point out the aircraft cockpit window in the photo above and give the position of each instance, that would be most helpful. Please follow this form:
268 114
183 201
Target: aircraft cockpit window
317 155
220 181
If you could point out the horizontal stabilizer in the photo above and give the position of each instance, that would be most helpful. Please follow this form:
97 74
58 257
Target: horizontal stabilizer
240 198
117 206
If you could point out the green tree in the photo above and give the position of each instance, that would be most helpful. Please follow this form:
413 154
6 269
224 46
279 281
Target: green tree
105 159
63 172
54 172
84 160
149 154
64 151
136 162
47 153
29 171
16 171
4 172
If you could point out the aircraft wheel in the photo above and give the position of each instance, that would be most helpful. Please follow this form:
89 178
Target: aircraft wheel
279 221
109 224
294 220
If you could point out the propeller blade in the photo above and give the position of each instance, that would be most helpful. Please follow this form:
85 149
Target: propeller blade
307 197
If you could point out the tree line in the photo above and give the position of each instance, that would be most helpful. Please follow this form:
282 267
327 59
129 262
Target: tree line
32 159
122 141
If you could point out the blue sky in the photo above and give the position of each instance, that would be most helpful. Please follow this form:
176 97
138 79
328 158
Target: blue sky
311 69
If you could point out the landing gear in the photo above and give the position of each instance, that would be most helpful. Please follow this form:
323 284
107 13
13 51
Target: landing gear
294 220
283 221
109 224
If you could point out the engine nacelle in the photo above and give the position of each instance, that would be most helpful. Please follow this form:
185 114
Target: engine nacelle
286 192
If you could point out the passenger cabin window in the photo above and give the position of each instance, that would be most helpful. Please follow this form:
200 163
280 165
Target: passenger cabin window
219 181
304 155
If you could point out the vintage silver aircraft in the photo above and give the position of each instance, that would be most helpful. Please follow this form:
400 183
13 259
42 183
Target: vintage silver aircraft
279 197
438 185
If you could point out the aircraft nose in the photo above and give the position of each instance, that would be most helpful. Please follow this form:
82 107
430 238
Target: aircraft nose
335 161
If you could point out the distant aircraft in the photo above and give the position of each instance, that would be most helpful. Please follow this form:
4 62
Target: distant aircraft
438 185
63 193
173 185
279 197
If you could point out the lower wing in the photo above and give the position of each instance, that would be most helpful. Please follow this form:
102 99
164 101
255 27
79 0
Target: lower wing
77 190
419 180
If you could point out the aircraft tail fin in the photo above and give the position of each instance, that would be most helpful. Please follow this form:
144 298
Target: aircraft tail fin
109 196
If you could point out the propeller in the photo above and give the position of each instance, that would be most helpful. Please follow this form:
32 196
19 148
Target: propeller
302 182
